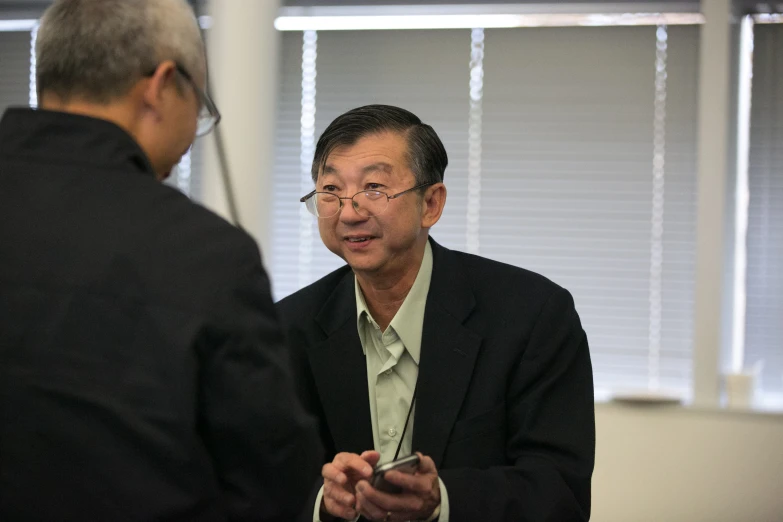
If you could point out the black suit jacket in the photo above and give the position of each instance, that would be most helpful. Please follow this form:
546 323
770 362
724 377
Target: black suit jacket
505 394
142 369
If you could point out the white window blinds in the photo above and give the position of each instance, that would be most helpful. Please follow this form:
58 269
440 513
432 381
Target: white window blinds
568 185
14 69
187 176
569 125
764 312
423 71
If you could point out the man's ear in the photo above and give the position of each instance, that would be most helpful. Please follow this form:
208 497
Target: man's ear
433 201
158 85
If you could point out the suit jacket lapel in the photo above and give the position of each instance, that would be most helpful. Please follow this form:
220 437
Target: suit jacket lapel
340 370
448 355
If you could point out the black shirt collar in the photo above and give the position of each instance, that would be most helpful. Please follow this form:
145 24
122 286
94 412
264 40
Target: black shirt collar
72 138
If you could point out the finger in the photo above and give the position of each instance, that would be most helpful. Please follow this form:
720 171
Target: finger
339 494
367 507
400 502
350 463
332 473
339 510
371 457
338 500
409 482
426 464
421 481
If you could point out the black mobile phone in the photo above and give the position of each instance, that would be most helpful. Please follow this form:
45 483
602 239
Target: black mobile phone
407 464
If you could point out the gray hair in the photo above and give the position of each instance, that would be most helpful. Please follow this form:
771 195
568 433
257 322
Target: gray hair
98 49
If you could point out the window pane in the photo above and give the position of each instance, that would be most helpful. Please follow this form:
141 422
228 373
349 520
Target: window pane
566 184
764 315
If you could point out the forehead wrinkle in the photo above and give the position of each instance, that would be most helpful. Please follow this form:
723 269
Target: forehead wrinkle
380 166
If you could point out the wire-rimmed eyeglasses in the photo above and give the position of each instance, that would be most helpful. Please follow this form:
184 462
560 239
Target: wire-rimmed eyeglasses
366 203
208 115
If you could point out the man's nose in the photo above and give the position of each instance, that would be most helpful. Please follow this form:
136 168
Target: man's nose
348 212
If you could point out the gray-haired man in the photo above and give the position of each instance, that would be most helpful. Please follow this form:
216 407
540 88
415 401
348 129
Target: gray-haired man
142 369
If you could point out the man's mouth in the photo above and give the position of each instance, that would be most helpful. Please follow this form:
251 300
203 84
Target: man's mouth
358 239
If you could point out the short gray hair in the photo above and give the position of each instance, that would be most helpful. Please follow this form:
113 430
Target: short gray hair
98 49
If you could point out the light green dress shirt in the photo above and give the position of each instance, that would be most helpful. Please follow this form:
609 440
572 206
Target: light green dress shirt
392 369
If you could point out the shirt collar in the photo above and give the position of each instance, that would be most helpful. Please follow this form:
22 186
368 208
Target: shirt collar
72 138
408 322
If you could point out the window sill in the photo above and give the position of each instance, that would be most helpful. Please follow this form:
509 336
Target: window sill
771 411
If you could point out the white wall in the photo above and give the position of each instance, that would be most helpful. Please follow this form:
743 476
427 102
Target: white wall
673 464
242 48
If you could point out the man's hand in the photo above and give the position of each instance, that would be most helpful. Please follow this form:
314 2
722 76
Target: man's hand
418 500
340 479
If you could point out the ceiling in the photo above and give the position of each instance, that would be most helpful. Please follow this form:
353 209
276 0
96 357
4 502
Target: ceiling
33 8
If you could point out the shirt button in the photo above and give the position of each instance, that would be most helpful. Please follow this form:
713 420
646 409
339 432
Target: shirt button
387 372
392 432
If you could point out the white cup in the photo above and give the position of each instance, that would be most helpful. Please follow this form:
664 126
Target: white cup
740 389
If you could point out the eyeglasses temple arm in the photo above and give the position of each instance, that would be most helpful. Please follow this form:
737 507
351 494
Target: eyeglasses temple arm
409 190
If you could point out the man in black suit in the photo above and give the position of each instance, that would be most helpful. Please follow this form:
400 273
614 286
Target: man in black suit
143 374
488 360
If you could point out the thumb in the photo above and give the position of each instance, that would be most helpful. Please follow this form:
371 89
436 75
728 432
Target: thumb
426 464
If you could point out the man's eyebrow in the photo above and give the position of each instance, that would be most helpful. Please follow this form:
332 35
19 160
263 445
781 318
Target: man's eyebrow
381 166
